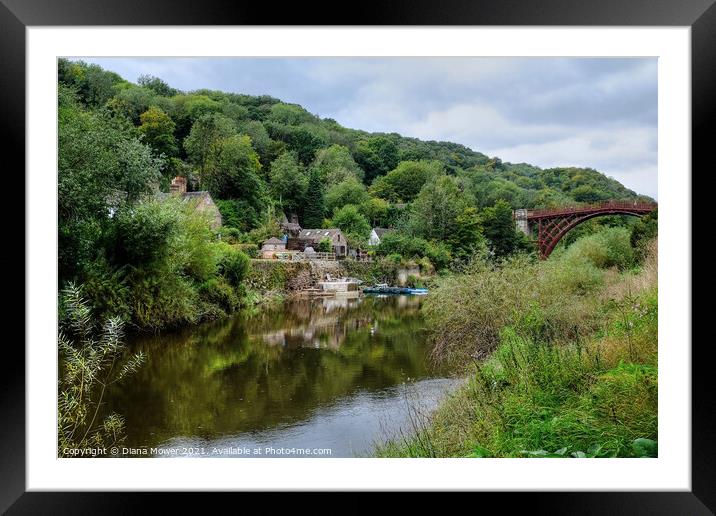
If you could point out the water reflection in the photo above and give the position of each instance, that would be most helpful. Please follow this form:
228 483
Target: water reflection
293 366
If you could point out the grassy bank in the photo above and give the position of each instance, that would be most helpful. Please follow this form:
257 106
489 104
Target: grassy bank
560 357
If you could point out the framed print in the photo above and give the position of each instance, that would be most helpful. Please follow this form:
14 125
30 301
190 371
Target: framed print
416 250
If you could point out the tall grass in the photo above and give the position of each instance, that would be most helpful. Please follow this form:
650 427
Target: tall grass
561 358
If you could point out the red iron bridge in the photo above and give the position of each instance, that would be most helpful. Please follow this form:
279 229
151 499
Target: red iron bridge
551 224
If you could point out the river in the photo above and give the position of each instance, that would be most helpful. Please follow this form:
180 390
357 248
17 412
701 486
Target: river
324 377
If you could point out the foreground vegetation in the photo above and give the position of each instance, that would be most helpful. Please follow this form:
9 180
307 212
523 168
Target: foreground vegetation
560 356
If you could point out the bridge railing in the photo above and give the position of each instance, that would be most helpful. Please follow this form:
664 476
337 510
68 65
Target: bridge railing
604 205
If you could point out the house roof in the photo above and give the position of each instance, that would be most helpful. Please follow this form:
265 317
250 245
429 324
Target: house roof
381 231
274 240
317 235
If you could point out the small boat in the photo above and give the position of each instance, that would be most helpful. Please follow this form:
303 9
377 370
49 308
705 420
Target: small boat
385 289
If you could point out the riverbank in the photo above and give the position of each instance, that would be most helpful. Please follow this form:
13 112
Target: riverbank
563 360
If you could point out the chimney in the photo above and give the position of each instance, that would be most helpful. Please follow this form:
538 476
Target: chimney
178 185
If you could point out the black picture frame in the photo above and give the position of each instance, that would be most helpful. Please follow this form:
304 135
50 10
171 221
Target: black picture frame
17 15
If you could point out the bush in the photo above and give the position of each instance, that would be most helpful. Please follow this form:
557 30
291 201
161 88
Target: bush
250 250
325 246
230 235
611 247
161 298
142 233
234 265
220 293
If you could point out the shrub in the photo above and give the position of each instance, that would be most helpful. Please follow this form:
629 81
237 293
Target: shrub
220 293
90 359
325 246
142 233
250 250
234 265
162 298
106 291
611 247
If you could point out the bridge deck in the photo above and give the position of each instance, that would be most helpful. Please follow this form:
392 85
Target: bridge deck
602 207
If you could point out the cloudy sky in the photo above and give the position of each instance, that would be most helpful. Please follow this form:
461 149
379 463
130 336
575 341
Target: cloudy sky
599 113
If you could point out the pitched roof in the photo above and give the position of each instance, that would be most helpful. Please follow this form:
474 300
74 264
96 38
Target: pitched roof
381 231
274 240
318 234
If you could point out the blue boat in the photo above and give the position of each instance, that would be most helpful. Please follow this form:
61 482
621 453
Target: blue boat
385 289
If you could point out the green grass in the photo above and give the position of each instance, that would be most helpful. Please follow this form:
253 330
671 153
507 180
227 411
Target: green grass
539 395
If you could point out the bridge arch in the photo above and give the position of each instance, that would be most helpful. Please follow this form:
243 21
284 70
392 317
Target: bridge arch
553 224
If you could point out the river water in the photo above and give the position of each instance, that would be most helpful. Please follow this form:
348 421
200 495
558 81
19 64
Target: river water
324 377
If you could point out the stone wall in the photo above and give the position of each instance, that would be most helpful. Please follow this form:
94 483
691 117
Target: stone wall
286 277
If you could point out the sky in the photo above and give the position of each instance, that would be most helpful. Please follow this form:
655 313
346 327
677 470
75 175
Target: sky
586 112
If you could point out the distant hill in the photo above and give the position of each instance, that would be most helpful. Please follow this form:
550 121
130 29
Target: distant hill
276 128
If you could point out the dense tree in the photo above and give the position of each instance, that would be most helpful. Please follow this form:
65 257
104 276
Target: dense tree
376 211
405 182
376 155
94 85
158 130
314 209
336 164
500 230
290 114
267 149
101 166
352 224
289 182
157 85
234 173
350 191
436 207
466 238
304 141
205 139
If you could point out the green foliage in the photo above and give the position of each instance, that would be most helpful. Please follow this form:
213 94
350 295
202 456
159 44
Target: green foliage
376 155
142 233
376 211
233 173
94 85
101 165
643 231
206 137
289 182
405 182
234 265
394 243
218 292
354 225
335 165
350 191
158 130
466 240
157 85
610 247
314 209
436 208
499 228
91 359
325 245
